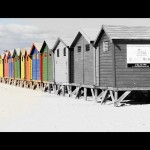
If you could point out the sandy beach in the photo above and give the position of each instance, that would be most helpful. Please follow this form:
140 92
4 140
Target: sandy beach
25 110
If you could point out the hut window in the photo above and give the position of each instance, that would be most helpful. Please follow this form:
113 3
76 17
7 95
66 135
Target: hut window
87 46
45 54
64 51
34 56
79 48
57 52
105 46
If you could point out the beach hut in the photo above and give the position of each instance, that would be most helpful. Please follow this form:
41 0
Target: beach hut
22 57
47 61
1 65
122 60
11 64
17 63
61 61
28 62
83 56
36 65
36 61
6 65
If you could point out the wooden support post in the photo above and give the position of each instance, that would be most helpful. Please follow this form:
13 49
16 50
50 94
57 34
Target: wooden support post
85 93
104 96
63 90
74 92
96 93
49 89
54 88
116 95
68 89
59 89
77 92
92 91
100 95
112 97
124 95
42 89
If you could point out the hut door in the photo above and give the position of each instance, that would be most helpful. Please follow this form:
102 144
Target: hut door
97 67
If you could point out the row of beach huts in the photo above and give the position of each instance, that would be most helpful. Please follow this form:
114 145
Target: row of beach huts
105 63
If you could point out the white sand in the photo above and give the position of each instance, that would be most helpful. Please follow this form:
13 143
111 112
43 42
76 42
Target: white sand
25 110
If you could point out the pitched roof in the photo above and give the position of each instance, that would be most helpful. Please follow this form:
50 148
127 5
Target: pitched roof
6 53
11 52
50 43
88 33
125 32
65 41
2 56
23 50
18 50
37 45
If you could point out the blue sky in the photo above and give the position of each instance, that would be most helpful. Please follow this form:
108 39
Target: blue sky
22 32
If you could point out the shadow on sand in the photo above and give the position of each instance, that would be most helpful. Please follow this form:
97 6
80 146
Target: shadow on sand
137 98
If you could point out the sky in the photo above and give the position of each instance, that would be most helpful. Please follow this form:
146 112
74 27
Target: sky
22 32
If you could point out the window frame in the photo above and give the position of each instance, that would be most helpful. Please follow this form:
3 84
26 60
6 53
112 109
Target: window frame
78 49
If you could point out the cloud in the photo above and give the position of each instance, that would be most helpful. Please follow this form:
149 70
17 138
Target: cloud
17 35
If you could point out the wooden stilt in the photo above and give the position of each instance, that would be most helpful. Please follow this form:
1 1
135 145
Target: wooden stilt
53 88
112 97
103 96
63 90
59 89
116 95
77 92
85 93
49 89
92 91
100 95
68 89
124 95
96 93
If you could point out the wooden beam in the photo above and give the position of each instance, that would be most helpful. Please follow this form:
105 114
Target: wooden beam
85 93
124 95
103 96
59 89
49 89
112 97
116 96
92 91
100 94
96 92
68 89
77 92
63 90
